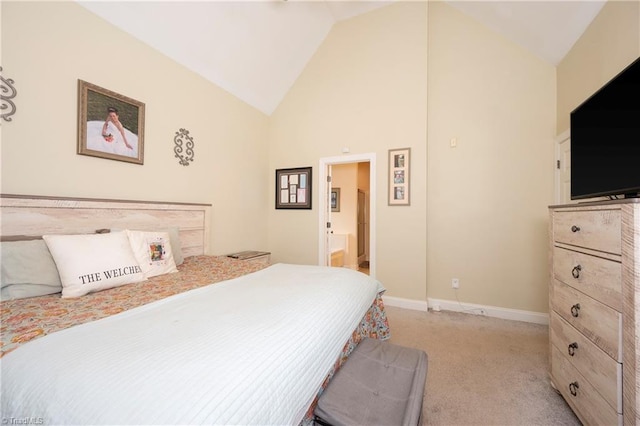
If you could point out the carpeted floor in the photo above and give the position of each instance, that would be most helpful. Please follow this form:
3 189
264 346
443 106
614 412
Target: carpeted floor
482 370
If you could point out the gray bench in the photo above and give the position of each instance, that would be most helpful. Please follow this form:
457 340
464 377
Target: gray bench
379 384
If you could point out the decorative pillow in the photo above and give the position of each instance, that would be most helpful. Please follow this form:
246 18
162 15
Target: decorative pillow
176 245
153 252
28 270
93 262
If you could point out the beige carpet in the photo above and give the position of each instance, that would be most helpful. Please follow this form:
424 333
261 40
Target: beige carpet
482 371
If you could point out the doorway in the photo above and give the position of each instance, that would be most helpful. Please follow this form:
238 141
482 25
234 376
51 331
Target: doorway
363 231
563 168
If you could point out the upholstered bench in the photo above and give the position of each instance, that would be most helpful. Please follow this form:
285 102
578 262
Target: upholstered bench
379 384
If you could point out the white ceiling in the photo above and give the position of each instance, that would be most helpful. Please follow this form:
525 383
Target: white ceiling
257 49
547 28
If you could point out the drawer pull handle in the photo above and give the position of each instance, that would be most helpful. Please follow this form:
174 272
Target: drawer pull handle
572 348
576 271
575 310
575 228
573 388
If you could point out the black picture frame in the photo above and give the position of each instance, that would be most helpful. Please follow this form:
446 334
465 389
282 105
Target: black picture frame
293 188
335 199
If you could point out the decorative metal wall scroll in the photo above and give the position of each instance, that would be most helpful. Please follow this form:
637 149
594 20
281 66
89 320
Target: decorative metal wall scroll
178 149
7 103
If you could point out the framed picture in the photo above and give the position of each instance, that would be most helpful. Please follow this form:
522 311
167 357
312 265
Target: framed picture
109 125
293 188
399 177
335 199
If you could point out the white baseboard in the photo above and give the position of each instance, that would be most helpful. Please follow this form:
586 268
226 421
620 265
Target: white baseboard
490 311
469 308
399 302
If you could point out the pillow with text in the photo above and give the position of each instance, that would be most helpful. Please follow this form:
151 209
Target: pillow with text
93 262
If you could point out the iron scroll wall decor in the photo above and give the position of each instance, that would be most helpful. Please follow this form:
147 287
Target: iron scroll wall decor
178 149
8 92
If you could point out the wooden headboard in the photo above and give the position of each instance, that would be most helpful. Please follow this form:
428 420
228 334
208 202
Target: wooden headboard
25 215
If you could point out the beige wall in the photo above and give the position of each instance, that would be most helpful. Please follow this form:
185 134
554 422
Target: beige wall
365 88
48 46
484 202
488 197
611 42
487 215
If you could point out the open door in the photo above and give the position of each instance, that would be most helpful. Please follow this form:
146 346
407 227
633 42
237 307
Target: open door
363 229
327 215
324 198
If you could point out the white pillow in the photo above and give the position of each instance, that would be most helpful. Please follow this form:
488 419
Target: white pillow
93 262
153 252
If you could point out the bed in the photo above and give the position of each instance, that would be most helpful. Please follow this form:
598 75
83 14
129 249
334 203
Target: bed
218 341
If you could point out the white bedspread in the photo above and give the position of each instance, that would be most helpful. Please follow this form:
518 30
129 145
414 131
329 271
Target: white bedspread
253 350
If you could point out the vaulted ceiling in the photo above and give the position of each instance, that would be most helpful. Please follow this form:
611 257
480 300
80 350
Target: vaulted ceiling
257 49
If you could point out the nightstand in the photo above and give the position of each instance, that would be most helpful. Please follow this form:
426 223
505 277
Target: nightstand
252 256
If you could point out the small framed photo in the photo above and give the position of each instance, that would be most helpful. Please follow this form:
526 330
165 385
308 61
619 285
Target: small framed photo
293 188
110 125
399 178
335 199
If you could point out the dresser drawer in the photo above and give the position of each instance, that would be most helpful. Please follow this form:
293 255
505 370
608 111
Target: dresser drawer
597 321
597 277
594 229
602 371
580 394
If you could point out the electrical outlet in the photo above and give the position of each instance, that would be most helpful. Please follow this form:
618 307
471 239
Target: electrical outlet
455 283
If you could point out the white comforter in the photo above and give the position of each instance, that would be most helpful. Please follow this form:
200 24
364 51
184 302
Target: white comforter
253 350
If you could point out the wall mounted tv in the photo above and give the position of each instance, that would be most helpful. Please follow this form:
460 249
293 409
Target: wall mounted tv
605 139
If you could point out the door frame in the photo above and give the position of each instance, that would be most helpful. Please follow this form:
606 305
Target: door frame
557 181
323 196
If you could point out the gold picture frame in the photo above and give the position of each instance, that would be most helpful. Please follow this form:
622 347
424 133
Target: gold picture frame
110 125
399 177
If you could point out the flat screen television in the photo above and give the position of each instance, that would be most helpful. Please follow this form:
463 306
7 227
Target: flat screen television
605 139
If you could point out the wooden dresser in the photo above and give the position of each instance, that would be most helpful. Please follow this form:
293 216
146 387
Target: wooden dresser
594 295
